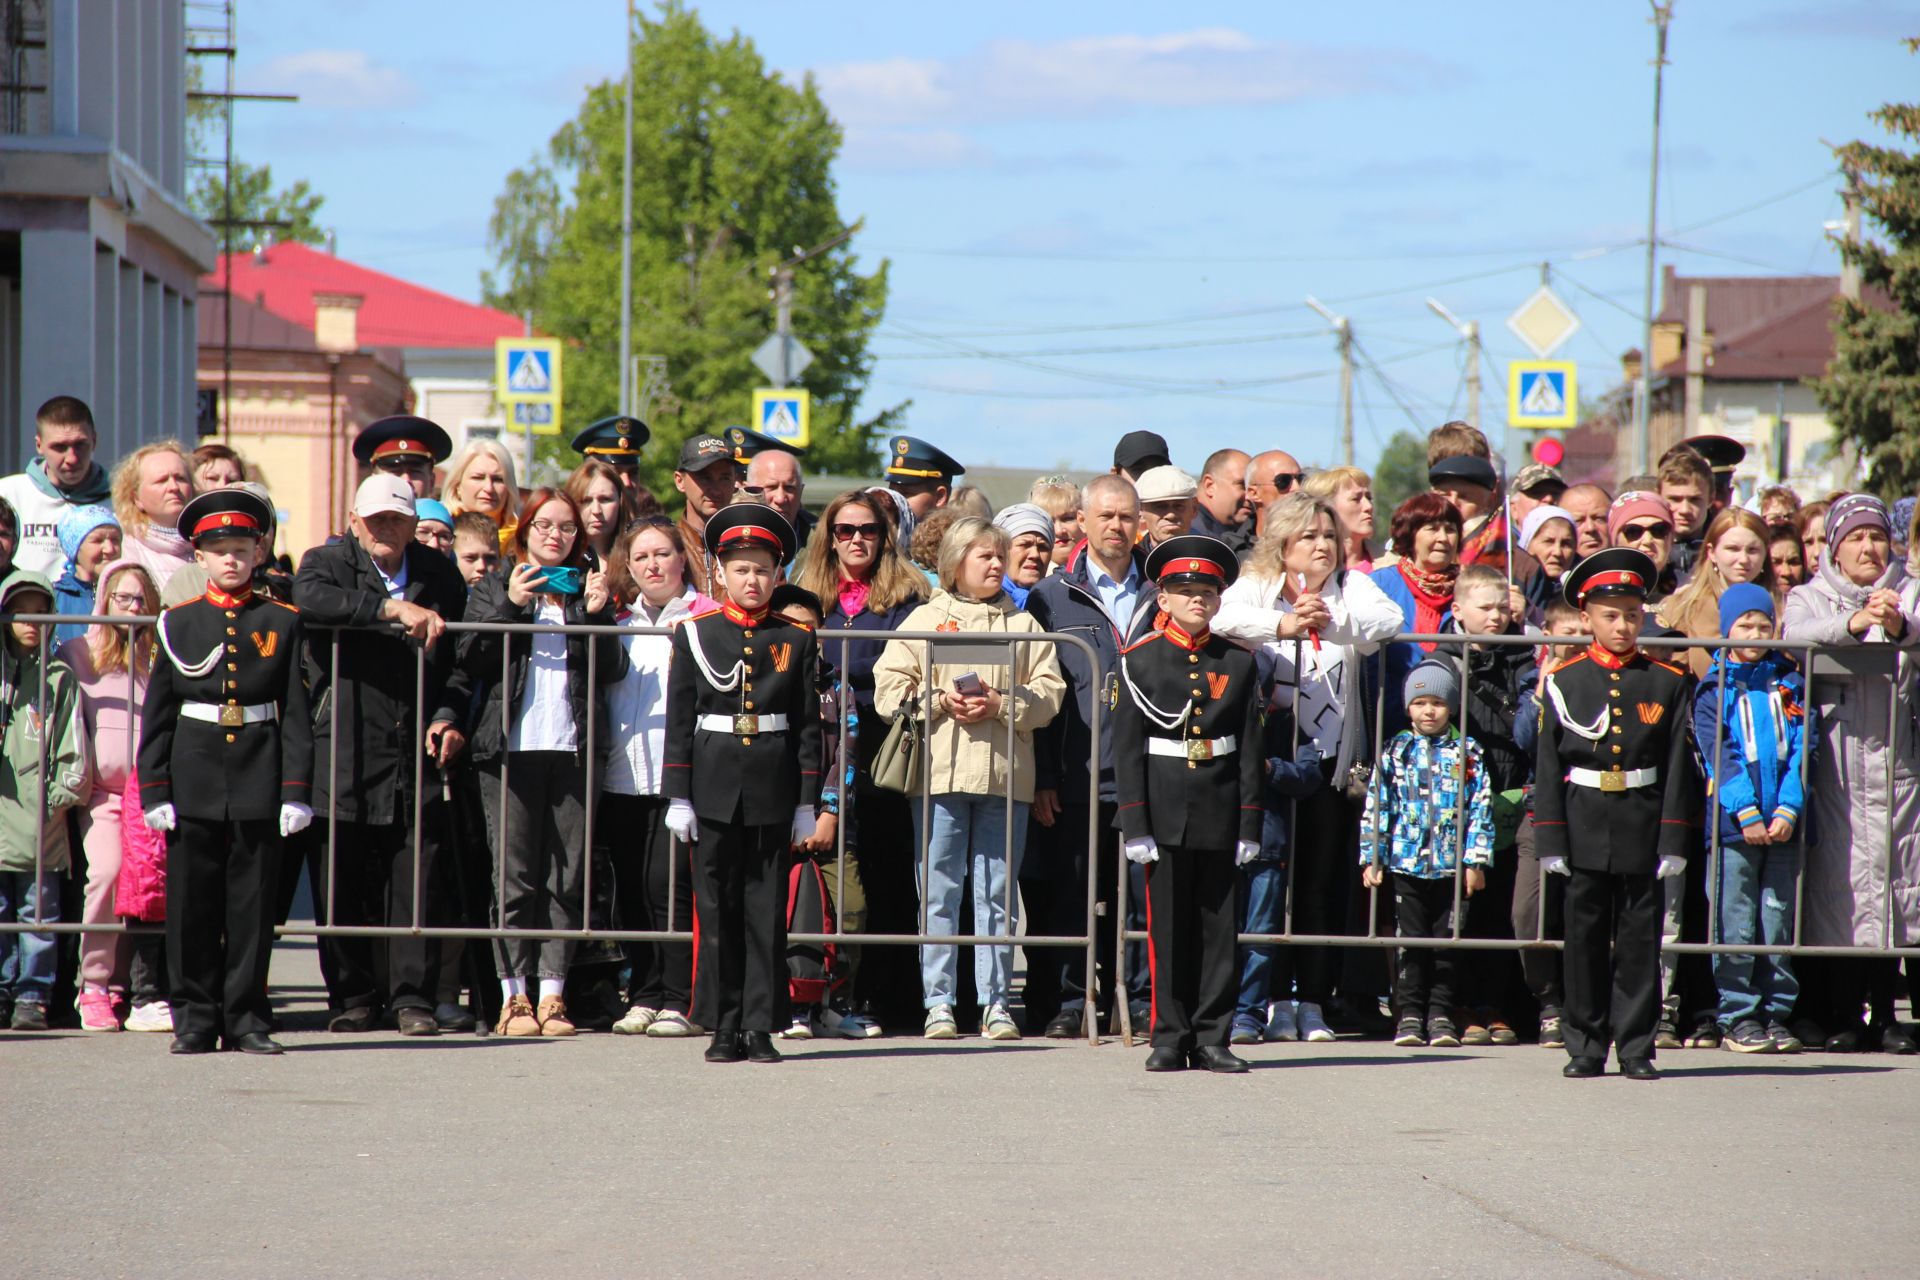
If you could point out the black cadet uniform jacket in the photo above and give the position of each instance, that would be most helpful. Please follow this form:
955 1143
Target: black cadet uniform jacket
1189 801
248 653
1612 714
766 667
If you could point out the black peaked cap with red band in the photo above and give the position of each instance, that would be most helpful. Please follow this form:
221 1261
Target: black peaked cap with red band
1617 571
399 436
226 513
1193 557
751 524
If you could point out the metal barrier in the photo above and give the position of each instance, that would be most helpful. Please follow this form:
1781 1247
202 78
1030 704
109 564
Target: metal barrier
326 923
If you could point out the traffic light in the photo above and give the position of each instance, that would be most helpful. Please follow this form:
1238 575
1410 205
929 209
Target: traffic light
1549 452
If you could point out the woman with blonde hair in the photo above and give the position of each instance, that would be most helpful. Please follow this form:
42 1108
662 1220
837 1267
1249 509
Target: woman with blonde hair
1349 492
1733 550
150 486
974 711
480 478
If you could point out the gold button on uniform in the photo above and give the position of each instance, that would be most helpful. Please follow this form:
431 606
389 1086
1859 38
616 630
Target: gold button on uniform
749 704
232 649
1616 748
230 738
232 632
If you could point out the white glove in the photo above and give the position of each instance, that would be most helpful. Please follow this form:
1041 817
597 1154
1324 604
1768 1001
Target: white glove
159 818
1555 866
1245 851
294 818
803 823
1670 867
1144 850
681 822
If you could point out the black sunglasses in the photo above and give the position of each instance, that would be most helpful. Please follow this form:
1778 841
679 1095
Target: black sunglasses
1635 532
848 532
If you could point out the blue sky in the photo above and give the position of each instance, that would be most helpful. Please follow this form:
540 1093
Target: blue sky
1103 218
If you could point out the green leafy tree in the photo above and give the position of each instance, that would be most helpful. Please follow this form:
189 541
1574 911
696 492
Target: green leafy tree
1400 473
1872 388
732 175
296 207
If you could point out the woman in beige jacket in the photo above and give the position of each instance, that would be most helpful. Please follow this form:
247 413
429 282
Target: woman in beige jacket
971 696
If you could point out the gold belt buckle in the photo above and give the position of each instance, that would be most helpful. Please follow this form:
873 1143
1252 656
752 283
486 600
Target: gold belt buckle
232 717
746 725
1613 780
1199 749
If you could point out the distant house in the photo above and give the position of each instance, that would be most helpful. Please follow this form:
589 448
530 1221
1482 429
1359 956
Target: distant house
1763 337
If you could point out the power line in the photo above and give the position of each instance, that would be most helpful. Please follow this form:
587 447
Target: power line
1788 194
1225 341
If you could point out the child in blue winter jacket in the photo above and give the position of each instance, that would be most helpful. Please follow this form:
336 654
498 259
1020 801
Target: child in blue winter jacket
1751 724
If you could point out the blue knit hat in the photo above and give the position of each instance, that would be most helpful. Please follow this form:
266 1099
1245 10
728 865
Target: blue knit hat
427 509
1743 598
77 522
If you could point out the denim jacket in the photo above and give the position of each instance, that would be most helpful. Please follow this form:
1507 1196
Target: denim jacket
1412 815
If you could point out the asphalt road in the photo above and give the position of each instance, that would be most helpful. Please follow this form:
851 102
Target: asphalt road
376 1156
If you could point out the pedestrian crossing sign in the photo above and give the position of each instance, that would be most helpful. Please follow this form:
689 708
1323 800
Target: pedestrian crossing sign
1542 394
783 414
527 382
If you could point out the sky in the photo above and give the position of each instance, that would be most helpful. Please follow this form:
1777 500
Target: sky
1103 218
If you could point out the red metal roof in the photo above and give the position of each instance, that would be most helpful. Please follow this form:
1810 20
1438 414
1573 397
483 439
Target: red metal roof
395 313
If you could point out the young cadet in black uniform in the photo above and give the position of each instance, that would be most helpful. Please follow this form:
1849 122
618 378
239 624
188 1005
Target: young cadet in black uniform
1188 765
1614 806
226 759
742 778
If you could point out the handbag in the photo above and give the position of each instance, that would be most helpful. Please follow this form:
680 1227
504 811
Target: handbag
897 764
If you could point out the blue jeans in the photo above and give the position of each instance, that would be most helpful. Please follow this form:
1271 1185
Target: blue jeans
27 960
1265 890
1756 906
968 838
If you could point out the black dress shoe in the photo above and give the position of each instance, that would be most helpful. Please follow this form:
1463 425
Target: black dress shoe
191 1042
1581 1068
1065 1025
760 1047
1639 1069
361 1019
726 1047
258 1042
1217 1057
415 1022
1167 1058
454 1017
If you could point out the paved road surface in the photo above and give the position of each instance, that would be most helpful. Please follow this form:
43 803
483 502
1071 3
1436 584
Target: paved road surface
374 1156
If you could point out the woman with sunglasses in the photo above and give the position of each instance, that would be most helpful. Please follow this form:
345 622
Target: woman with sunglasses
869 587
1643 521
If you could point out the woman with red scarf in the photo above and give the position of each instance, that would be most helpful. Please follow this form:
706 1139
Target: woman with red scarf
1426 538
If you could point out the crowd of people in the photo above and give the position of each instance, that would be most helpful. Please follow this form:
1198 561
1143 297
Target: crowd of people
731 738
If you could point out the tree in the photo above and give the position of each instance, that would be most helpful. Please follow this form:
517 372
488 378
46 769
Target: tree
296 207
1400 473
1872 389
732 176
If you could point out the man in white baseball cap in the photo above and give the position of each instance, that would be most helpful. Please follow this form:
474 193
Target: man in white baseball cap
1169 497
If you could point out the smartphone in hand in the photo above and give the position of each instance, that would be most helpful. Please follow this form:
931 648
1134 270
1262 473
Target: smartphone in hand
968 685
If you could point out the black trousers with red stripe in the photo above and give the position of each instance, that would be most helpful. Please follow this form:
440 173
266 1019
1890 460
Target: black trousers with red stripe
740 927
1193 921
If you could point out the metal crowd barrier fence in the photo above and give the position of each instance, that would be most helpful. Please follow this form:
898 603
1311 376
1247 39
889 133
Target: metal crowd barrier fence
1876 660
980 649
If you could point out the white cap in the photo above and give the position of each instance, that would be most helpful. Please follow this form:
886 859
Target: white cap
1166 484
381 494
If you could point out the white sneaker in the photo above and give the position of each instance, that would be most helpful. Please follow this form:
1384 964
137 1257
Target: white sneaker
155 1015
997 1024
669 1023
1312 1026
636 1021
940 1024
802 1028
1280 1023
847 1024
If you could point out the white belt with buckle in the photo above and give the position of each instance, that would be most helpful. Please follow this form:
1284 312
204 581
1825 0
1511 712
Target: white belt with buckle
745 725
1192 748
1613 779
230 715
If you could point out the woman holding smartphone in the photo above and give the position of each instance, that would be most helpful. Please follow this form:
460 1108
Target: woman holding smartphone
968 706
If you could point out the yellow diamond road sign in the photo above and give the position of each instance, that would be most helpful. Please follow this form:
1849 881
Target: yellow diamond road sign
1542 393
1544 323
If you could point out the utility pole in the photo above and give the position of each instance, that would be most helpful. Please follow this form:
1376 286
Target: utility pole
1469 331
627 388
1850 228
1643 387
783 323
526 476
1344 332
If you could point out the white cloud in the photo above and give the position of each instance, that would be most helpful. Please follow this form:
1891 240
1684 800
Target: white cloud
1102 75
912 150
338 78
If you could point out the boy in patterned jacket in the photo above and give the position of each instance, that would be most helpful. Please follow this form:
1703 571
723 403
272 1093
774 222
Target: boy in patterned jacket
1427 781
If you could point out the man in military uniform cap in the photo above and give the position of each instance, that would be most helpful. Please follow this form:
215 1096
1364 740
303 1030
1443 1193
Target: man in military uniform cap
405 446
921 473
226 763
618 441
742 778
1615 801
1723 454
1189 767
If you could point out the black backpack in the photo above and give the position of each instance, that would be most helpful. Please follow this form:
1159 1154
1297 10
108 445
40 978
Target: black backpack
810 965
